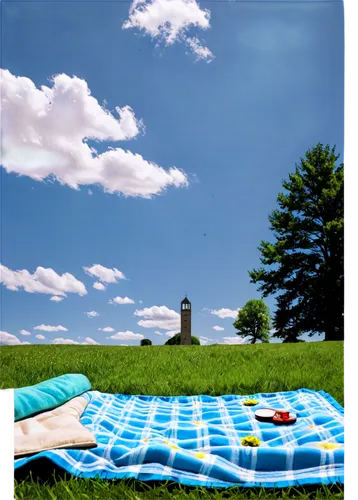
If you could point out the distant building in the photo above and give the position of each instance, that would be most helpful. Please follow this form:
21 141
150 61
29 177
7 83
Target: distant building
185 317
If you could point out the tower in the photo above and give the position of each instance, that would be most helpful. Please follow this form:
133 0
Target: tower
185 317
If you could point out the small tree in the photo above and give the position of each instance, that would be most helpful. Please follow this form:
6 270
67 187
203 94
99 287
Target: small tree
253 321
145 342
175 340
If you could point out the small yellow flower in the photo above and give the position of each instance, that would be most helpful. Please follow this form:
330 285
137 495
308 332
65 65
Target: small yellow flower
250 402
145 440
311 426
328 446
197 422
174 447
250 441
199 454
165 441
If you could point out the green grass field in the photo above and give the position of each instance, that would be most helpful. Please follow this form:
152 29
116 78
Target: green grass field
175 370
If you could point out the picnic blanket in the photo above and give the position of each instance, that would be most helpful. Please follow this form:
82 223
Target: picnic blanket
54 429
196 440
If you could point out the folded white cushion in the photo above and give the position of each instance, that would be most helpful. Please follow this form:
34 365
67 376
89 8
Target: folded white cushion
58 428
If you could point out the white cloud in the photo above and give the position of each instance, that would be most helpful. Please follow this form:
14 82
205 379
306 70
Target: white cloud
99 286
92 314
106 329
199 50
56 298
105 274
205 340
128 335
41 281
218 328
232 340
158 333
90 341
169 21
225 313
159 317
40 337
171 333
121 300
24 332
90 192
10 339
45 133
63 341
48 328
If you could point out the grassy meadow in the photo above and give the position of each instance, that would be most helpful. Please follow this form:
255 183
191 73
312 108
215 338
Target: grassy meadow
174 370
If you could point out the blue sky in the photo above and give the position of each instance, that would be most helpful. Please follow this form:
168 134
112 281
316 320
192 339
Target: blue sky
233 125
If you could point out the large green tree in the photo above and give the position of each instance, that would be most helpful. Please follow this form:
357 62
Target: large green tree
253 321
145 342
175 340
303 266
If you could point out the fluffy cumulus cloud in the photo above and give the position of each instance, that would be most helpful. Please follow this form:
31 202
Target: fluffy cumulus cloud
99 286
61 340
56 298
106 329
121 300
92 314
158 333
10 339
170 21
104 274
40 337
171 333
41 281
88 341
218 328
232 340
128 335
225 313
24 332
205 340
49 328
159 317
45 132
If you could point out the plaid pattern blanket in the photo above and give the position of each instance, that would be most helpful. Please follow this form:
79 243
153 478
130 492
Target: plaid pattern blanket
197 440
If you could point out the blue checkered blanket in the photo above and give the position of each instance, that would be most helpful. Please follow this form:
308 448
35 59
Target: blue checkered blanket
196 440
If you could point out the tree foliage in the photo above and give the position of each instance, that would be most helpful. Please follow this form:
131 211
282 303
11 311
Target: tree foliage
303 267
253 321
175 340
146 342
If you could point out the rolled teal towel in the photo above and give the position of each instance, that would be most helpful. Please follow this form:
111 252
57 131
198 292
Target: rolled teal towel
49 394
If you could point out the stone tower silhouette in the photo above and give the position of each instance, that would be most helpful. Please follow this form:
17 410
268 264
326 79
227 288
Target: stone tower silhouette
185 316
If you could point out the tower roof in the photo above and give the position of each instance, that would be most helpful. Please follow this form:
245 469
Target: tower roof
185 301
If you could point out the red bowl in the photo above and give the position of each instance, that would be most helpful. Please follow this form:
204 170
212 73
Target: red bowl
286 421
